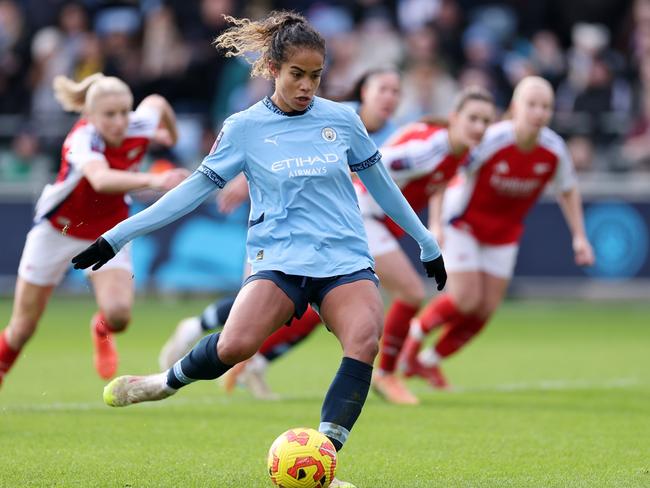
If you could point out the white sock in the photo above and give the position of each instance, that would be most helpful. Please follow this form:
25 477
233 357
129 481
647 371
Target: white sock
415 330
428 357
258 363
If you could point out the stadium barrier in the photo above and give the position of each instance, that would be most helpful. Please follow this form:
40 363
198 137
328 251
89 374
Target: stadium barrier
204 251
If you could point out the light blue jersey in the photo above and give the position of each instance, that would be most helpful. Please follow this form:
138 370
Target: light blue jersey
304 217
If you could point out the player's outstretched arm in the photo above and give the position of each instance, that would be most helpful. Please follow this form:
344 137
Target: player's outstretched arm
385 192
172 206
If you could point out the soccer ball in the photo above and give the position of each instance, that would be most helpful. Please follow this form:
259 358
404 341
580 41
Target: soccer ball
302 458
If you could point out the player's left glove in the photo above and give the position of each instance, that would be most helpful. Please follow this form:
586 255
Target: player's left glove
436 270
98 253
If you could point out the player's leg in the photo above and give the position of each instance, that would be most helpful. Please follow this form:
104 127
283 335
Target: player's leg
464 287
259 309
458 334
462 254
285 338
404 285
496 265
191 329
354 313
463 261
30 301
44 261
251 374
114 292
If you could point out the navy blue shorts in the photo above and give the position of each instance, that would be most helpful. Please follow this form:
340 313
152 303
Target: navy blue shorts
304 290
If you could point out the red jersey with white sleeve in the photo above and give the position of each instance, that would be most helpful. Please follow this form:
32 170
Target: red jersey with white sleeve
503 182
420 161
70 203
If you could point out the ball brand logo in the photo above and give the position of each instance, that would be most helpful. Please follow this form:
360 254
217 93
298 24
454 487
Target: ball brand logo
328 134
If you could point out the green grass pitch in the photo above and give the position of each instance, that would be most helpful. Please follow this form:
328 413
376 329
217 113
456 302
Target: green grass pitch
550 395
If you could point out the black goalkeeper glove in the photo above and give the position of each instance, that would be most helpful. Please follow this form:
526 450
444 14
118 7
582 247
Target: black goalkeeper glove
436 270
98 253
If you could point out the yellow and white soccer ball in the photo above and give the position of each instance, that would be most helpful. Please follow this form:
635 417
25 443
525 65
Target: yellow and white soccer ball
302 458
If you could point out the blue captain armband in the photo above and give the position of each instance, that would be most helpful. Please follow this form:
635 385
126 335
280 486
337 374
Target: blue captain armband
367 163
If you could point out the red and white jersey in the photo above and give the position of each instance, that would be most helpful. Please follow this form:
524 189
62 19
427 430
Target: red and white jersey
420 161
503 183
70 203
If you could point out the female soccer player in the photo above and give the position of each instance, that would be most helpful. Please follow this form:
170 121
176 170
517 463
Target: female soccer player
88 198
374 97
304 241
507 173
421 159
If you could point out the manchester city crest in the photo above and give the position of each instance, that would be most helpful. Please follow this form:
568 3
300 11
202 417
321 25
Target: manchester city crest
328 134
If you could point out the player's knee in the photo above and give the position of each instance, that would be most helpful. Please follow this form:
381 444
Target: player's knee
117 316
363 344
233 350
485 310
468 303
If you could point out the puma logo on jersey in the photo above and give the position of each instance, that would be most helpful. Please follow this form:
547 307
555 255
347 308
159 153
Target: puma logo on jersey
271 140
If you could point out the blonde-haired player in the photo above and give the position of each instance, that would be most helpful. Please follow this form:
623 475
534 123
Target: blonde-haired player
505 176
88 197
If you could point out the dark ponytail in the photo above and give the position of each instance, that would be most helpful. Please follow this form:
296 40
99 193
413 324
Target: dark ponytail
272 38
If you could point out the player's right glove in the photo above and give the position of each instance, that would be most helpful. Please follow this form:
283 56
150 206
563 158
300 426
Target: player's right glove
436 270
98 253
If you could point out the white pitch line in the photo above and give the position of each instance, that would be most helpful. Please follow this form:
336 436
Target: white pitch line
543 385
553 385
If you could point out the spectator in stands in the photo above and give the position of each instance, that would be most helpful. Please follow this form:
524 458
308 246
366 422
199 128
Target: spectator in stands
14 59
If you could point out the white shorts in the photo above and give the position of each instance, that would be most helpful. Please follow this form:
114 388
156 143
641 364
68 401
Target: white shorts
380 239
462 252
47 254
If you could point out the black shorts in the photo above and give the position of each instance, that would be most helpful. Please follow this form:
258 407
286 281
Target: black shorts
305 290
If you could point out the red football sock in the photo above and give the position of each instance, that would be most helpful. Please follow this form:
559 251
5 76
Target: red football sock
100 325
396 328
7 354
438 312
285 337
458 333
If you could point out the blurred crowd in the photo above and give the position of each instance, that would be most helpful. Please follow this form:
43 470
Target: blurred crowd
596 53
